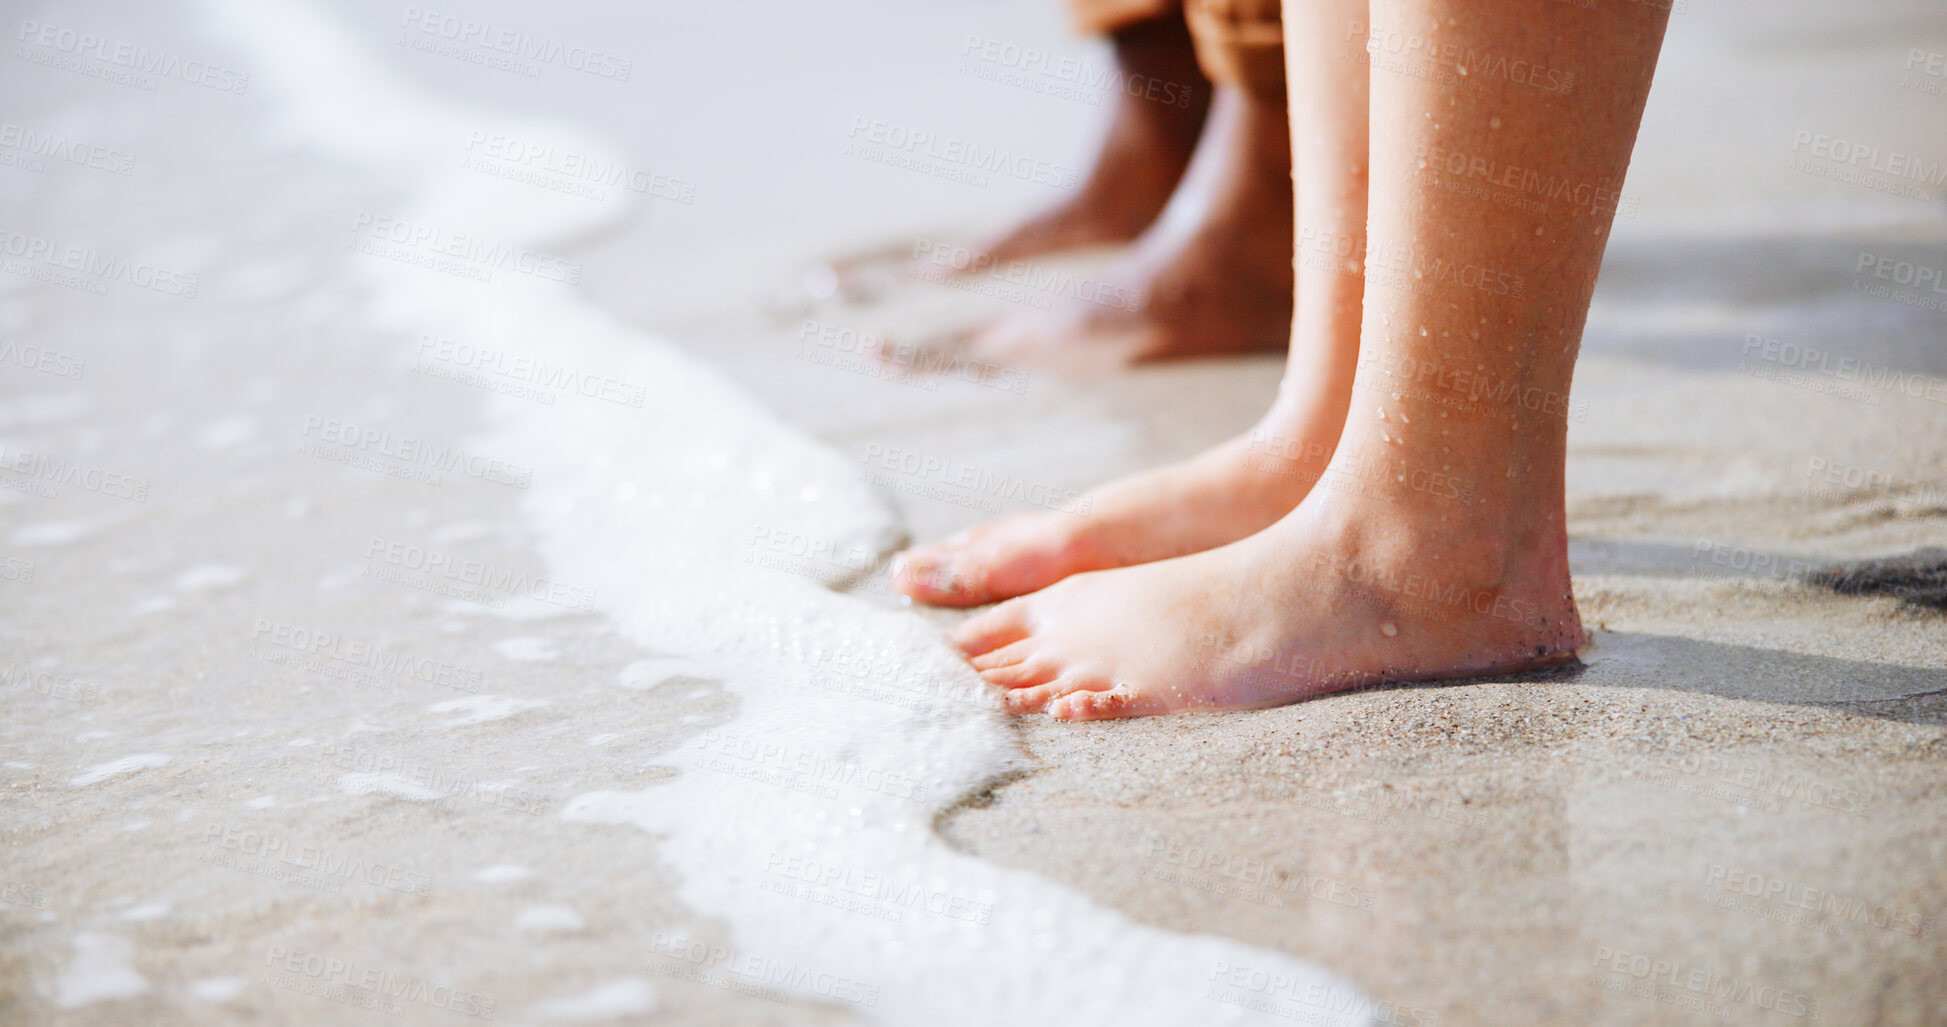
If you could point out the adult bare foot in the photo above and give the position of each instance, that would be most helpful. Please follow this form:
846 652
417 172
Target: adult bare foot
1150 139
1337 595
1211 276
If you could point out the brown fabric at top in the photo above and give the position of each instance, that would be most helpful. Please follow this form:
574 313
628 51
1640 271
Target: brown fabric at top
1239 43
1100 17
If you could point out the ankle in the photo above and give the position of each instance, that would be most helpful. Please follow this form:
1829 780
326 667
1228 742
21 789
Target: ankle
1427 571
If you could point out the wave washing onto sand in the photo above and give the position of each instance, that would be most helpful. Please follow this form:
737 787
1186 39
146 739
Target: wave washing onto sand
805 824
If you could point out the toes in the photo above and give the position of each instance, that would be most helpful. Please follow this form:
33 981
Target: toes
986 632
1120 701
942 575
1035 698
995 561
1022 675
1020 701
1006 656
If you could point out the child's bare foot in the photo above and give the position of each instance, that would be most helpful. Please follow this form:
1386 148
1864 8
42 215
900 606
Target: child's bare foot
1247 484
1148 146
1341 593
1218 497
1212 276
1448 554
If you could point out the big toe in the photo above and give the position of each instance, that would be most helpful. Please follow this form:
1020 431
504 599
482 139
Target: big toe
999 561
940 575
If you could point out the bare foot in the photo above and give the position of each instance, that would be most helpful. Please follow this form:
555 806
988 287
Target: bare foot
1341 593
1148 146
1212 276
1218 497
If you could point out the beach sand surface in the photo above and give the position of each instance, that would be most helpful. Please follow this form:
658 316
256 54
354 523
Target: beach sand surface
264 764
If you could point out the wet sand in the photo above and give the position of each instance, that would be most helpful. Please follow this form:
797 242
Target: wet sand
1731 813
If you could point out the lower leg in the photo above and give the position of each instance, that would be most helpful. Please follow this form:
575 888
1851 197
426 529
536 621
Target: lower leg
1210 276
1493 197
1244 485
1435 546
1144 154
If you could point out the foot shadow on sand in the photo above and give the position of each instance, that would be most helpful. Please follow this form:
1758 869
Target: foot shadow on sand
1890 691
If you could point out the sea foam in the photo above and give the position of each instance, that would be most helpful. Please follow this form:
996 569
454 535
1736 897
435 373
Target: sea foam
655 507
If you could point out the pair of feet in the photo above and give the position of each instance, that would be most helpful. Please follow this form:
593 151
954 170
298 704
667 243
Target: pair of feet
1331 548
1203 192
